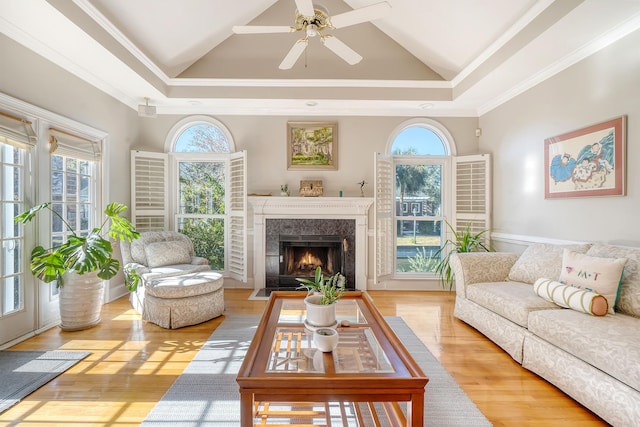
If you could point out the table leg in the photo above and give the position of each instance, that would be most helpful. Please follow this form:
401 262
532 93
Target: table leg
246 409
415 410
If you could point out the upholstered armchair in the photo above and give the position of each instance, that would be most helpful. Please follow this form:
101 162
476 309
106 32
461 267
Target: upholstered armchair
159 254
176 288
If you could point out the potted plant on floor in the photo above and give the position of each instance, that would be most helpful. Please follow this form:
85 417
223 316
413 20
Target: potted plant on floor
80 264
322 295
463 241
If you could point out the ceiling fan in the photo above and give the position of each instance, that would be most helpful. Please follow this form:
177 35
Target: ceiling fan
312 20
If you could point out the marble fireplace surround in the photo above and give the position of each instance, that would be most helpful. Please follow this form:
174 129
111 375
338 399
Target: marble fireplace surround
267 207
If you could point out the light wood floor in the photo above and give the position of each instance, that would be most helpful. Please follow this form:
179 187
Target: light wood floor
133 363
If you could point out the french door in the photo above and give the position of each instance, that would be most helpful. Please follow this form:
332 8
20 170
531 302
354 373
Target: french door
17 293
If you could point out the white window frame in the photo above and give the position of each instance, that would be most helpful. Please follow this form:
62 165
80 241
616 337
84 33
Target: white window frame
447 185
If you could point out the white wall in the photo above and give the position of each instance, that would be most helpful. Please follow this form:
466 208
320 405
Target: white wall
603 86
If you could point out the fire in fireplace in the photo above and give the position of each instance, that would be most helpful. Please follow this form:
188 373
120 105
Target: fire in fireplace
300 255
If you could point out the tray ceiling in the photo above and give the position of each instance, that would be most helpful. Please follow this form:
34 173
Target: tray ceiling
454 57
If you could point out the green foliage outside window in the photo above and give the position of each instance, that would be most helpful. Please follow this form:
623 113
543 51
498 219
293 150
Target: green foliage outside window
207 236
202 193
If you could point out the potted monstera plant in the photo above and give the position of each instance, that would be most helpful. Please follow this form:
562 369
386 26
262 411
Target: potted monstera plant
322 294
80 264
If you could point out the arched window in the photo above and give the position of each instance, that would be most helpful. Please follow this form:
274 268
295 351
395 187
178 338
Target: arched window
419 141
420 151
207 179
199 134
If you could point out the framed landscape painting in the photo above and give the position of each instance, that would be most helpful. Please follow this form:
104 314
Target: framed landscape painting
312 145
586 162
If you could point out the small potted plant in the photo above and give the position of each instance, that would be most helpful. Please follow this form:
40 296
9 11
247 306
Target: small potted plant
323 293
80 264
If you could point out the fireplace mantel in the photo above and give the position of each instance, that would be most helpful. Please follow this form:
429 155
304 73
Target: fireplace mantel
318 207
356 208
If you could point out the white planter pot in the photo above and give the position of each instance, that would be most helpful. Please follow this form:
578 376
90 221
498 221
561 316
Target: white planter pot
325 339
319 315
81 300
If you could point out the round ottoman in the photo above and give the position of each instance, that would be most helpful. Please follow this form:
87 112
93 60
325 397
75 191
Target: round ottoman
177 301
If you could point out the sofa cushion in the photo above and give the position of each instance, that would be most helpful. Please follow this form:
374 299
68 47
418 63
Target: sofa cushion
609 343
570 297
541 260
186 285
629 293
512 300
167 253
135 251
601 275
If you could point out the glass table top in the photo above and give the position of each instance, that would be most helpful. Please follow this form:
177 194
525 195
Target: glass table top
293 350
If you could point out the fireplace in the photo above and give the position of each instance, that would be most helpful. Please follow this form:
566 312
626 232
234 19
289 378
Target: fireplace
295 247
301 255
343 218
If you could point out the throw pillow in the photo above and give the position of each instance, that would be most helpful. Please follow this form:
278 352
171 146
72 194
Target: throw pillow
167 253
628 301
541 260
569 297
601 275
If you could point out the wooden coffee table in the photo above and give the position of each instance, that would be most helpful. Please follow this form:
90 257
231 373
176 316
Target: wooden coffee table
370 364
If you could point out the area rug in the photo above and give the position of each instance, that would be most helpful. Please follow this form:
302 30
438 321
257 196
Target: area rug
23 372
206 394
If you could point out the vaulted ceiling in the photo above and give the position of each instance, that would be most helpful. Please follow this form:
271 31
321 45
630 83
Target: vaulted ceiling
424 57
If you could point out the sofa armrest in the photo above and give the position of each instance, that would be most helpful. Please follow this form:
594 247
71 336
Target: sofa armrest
198 260
480 267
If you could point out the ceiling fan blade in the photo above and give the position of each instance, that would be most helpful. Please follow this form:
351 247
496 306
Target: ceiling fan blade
293 54
305 7
261 29
341 49
363 14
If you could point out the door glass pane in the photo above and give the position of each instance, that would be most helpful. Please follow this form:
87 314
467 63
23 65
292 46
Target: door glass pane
207 236
201 188
11 294
12 264
10 227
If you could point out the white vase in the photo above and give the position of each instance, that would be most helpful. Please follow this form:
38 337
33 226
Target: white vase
319 315
81 298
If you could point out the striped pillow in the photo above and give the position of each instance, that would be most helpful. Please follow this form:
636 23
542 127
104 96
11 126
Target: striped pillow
570 297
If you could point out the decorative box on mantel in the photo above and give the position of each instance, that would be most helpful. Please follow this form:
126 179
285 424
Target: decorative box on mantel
308 208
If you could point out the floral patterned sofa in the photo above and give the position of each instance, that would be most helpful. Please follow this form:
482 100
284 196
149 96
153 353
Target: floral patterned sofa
176 288
593 359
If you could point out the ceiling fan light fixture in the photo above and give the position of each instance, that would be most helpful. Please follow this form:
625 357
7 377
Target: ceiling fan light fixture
312 30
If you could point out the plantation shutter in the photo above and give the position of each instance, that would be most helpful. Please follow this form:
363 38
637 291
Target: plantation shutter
149 191
383 217
472 180
237 255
